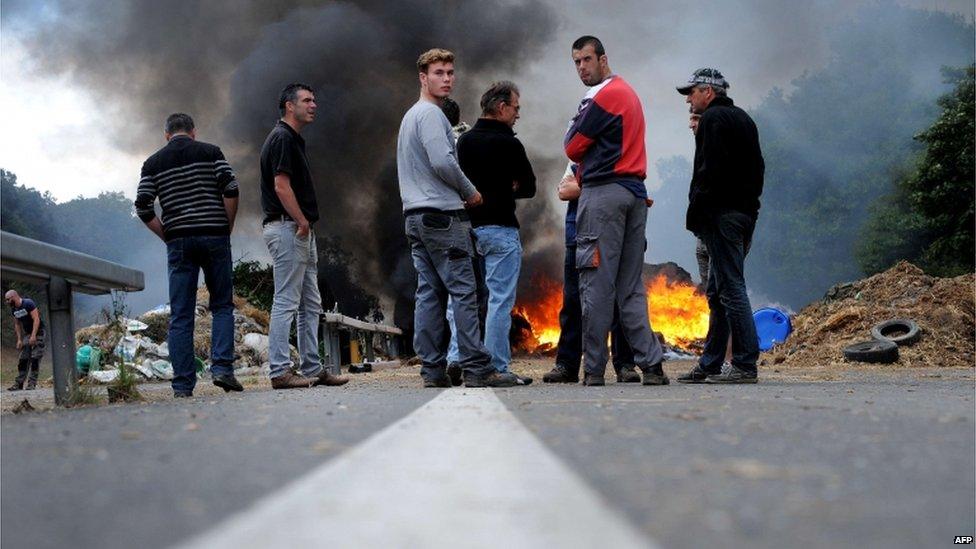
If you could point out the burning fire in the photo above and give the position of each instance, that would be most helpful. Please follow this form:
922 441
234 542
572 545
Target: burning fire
675 309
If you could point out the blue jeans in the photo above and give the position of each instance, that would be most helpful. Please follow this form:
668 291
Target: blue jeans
296 283
501 251
185 257
728 238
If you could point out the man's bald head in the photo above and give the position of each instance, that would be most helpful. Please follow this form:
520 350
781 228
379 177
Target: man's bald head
12 297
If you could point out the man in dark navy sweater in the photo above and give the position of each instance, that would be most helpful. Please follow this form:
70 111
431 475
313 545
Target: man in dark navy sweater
495 161
198 194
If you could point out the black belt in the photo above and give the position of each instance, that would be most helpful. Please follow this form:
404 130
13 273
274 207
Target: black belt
273 218
457 214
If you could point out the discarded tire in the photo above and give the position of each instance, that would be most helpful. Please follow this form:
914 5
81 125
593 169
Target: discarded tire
900 331
878 351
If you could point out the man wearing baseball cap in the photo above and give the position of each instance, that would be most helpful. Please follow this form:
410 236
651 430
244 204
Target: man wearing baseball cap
723 207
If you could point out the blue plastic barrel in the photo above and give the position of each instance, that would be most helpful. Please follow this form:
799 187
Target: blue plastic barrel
772 326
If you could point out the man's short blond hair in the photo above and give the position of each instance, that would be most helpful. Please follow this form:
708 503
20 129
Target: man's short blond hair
435 55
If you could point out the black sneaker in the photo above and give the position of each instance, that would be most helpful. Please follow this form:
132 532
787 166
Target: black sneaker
654 375
695 375
182 394
454 373
494 379
734 375
228 383
593 380
628 374
440 382
16 387
559 374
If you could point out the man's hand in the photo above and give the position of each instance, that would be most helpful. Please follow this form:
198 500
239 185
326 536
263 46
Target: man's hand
473 200
303 229
649 201
515 186
569 188
20 343
33 340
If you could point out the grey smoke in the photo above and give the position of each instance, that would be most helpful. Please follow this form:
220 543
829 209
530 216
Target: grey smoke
224 62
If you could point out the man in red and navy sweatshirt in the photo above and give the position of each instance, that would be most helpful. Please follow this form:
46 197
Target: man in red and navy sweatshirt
606 141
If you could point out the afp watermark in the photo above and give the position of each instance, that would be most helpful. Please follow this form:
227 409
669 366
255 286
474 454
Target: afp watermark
963 540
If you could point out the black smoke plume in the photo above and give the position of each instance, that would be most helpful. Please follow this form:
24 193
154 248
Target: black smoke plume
224 62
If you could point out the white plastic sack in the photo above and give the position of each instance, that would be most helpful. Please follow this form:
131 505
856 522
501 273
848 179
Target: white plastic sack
162 369
104 376
258 343
127 348
132 326
145 368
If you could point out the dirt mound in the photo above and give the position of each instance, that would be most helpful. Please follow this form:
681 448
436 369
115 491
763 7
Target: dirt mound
943 308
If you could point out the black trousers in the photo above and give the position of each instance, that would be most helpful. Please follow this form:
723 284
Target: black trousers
569 351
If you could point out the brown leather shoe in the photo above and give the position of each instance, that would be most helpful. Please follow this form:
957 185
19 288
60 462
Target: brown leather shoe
291 381
326 377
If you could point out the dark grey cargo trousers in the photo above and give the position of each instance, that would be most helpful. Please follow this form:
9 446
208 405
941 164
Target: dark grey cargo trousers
610 246
440 245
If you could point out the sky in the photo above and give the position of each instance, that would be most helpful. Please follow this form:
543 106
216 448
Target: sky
57 139
78 128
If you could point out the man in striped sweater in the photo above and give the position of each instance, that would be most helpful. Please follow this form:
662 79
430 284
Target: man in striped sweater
198 196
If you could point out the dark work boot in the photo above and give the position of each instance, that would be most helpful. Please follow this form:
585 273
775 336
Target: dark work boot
494 379
437 382
228 383
654 375
560 374
454 373
628 374
593 380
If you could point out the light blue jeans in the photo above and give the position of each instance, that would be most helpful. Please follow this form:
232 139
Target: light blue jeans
296 294
453 356
501 250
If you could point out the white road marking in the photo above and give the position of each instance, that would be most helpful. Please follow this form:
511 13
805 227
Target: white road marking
460 471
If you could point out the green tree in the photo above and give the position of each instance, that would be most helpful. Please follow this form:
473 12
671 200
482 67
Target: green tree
929 218
839 139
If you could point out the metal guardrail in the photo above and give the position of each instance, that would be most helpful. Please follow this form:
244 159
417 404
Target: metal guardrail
332 323
63 271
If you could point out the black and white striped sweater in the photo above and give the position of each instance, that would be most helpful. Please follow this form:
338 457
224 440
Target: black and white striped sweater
190 178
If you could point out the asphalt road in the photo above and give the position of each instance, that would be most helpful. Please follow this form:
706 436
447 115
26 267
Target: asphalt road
870 459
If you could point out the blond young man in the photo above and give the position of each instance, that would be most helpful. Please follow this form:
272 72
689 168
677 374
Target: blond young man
435 193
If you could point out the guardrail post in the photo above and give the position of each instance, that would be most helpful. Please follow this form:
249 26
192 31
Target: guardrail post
370 355
61 338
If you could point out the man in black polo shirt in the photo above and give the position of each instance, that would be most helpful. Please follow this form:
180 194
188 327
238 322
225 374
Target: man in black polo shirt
494 160
290 210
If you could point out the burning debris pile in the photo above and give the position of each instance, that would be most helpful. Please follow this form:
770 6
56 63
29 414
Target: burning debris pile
677 310
942 307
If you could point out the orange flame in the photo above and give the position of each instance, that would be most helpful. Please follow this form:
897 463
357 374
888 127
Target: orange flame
677 310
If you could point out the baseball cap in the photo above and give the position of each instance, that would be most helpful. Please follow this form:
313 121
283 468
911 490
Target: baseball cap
703 76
